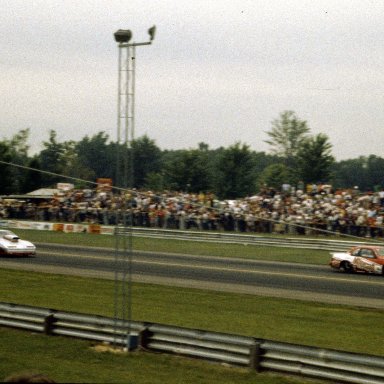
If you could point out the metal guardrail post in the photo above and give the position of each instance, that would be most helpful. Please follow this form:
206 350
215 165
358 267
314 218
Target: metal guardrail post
49 324
144 338
255 356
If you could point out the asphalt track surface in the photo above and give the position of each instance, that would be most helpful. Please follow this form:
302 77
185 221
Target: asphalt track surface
275 279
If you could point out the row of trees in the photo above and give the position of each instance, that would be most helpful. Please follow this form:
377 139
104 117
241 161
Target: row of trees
236 171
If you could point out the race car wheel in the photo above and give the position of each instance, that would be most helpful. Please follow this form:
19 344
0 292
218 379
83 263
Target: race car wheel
346 267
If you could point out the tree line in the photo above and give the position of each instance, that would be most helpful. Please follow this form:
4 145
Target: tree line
296 156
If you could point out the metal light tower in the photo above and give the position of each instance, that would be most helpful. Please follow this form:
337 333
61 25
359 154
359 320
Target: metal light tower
124 178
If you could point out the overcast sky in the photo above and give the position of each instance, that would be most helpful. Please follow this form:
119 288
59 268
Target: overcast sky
218 72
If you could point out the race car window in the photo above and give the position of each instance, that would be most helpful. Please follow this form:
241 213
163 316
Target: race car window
368 253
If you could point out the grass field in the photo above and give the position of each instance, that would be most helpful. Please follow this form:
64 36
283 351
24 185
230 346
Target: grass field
328 326
74 361
306 256
294 321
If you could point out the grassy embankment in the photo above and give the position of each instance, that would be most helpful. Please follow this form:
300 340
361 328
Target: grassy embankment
328 326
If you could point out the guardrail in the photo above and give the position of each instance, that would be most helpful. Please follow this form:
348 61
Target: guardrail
307 241
303 242
257 354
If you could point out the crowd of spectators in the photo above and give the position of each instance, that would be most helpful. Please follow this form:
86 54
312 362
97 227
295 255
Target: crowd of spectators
289 210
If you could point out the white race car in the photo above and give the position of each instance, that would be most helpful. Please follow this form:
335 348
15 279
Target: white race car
11 244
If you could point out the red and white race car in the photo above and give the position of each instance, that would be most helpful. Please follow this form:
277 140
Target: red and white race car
364 258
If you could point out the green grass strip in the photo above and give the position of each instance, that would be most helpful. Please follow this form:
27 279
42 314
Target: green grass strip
307 256
328 326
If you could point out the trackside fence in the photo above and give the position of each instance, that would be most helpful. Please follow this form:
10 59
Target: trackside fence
257 354
245 239
307 240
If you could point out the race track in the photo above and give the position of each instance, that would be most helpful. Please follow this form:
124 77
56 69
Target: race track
285 280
